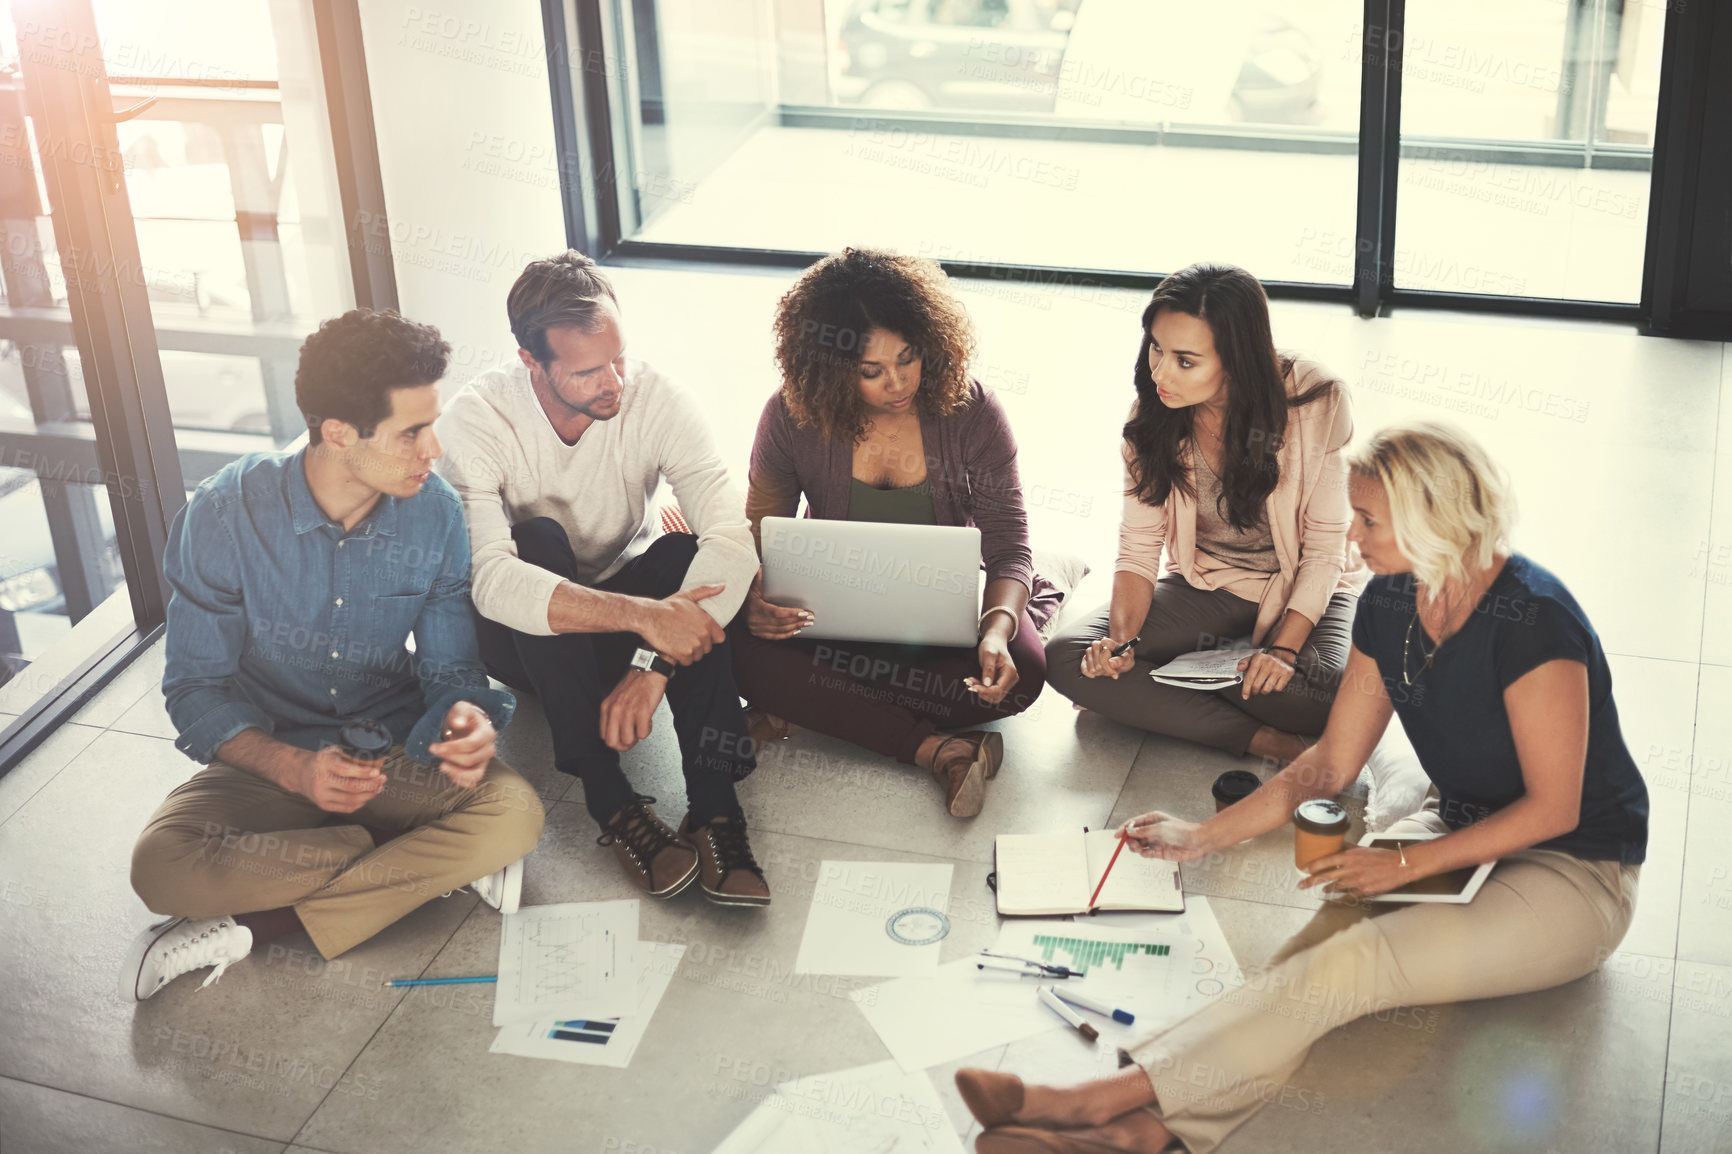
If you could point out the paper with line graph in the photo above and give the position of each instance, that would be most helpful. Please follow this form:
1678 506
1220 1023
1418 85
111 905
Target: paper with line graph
576 956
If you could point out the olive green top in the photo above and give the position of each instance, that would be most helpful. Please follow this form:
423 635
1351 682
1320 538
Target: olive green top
910 506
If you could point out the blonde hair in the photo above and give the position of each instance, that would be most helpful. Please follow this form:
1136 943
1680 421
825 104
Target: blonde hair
1450 506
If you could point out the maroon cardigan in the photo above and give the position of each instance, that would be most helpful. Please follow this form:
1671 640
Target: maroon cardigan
970 464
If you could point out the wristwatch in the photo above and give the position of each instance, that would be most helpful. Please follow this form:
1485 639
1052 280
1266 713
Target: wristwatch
650 661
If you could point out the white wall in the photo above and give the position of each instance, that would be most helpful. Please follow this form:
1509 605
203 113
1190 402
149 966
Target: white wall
465 127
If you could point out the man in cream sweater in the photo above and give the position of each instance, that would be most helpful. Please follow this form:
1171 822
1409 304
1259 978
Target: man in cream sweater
579 599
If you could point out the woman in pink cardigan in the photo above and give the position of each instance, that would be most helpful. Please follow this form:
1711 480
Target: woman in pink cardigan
1233 463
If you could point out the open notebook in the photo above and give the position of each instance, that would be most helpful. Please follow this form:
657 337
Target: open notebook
1054 873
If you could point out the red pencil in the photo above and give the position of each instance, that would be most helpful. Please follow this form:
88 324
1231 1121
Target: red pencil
1110 863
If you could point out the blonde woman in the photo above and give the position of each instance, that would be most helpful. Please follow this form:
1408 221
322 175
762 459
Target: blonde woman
1503 688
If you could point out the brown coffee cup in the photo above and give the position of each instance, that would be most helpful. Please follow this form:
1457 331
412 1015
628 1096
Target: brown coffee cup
1319 829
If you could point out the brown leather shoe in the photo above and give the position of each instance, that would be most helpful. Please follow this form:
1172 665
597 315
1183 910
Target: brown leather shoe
992 1098
766 727
963 764
727 872
658 861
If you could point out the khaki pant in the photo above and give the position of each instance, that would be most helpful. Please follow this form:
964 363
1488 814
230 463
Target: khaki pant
1542 919
229 842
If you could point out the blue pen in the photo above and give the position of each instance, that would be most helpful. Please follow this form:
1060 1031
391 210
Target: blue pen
441 981
1078 999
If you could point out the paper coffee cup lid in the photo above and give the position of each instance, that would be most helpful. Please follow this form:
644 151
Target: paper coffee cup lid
1320 815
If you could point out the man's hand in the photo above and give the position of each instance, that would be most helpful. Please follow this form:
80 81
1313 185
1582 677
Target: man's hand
336 784
468 745
773 622
679 629
998 675
1098 659
625 715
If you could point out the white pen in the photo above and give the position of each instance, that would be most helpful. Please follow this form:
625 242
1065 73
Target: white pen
1095 1004
1071 1018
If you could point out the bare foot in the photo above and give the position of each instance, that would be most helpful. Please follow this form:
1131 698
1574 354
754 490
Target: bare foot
1090 1104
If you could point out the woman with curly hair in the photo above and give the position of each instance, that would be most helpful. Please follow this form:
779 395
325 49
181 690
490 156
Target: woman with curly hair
878 420
1233 463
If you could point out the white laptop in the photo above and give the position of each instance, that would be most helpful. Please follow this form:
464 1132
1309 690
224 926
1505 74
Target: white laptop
866 581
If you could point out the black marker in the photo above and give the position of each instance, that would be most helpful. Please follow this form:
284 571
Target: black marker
1126 647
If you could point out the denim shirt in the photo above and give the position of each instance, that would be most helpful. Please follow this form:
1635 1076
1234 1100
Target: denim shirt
280 620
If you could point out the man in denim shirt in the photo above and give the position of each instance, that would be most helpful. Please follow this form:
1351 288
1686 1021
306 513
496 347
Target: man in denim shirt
296 579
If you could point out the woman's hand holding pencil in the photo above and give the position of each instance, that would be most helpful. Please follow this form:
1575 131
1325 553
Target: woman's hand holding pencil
1163 836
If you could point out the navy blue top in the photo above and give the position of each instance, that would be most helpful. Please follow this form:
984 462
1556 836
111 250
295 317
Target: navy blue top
1454 711
280 620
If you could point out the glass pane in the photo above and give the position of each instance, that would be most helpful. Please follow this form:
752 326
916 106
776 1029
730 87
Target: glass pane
1114 134
58 563
1527 132
234 196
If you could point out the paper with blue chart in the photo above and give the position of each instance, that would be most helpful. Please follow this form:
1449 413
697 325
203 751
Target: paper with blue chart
590 1039
574 957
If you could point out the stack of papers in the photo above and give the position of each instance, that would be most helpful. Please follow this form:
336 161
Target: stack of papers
576 985
1205 669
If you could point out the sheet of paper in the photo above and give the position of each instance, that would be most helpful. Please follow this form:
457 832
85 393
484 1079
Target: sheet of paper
1145 972
1214 968
955 1013
593 1041
1135 880
1041 872
876 919
572 958
867 1110
1211 667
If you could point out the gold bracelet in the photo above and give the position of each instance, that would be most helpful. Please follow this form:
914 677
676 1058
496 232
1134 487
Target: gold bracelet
1015 621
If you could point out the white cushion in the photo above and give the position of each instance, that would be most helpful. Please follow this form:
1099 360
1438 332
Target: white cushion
1397 785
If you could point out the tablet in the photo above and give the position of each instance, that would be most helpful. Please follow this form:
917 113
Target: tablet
1454 886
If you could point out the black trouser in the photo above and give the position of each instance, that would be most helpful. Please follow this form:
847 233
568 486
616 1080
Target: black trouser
573 672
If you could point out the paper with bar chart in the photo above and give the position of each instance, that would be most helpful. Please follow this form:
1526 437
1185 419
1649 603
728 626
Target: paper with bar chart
574 1035
572 956
1146 973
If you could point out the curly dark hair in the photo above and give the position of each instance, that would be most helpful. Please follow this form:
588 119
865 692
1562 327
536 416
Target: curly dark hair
349 367
822 324
1232 303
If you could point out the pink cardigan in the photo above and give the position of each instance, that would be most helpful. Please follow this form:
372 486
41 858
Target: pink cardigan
1308 515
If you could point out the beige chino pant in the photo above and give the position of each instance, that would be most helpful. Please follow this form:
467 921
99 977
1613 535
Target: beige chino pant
1541 919
230 842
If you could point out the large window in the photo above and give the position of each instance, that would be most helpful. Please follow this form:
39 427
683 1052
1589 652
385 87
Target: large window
183 151
1131 136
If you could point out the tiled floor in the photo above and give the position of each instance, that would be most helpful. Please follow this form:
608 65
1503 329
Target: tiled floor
1631 504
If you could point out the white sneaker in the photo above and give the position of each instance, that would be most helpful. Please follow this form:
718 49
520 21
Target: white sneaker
178 946
502 889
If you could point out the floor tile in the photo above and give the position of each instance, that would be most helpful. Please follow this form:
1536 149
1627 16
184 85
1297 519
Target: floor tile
143 675
1705 902
45 1121
148 716
1580 1067
42 763
736 1019
1698 1107
1657 713
1062 770
256 1052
